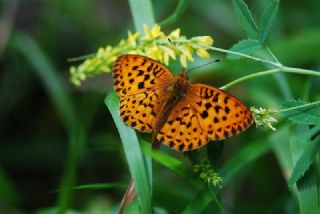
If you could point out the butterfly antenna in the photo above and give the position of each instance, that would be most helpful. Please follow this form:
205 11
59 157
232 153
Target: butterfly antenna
200 66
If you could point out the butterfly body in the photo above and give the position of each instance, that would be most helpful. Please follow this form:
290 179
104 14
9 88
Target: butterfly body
180 114
176 92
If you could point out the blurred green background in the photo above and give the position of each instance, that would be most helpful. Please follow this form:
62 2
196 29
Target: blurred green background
52 132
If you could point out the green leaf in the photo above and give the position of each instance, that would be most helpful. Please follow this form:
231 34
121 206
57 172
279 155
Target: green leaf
133 155
306 115
245 18
267 19
304 161
247 46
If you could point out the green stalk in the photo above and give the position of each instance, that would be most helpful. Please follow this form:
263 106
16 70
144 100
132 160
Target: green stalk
283 69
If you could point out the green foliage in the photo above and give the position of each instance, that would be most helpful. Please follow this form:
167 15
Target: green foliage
245 18
247 46
310 114
306 159
267 19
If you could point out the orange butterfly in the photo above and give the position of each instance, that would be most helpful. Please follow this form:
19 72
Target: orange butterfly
181 115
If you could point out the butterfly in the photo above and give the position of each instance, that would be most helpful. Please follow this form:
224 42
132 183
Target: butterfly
180 114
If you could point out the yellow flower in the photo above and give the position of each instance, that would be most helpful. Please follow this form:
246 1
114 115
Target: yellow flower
154 43
203 53
174 34
166 58
183 60
122 42
169 51
153 33
205 40
100 53
132 38
156 31
187 51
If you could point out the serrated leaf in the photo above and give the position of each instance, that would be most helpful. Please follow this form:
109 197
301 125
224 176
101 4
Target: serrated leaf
247 46
306 115
267 19
304 161
245 18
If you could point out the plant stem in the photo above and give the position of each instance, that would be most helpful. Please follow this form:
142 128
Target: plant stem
283 69
214 196
279 65
271 54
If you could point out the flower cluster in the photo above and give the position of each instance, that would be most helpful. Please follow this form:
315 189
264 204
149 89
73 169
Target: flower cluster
207 173
263 117
154 44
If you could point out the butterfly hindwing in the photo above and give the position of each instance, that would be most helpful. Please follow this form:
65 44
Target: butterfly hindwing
182 130
206 113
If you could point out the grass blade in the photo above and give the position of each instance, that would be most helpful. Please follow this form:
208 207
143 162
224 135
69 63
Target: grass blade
142 13
133 155
116 185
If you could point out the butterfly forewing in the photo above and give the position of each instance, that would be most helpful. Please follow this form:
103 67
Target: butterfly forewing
140 83
134 74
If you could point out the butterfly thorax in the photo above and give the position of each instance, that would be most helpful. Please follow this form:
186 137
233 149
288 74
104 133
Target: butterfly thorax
175 93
